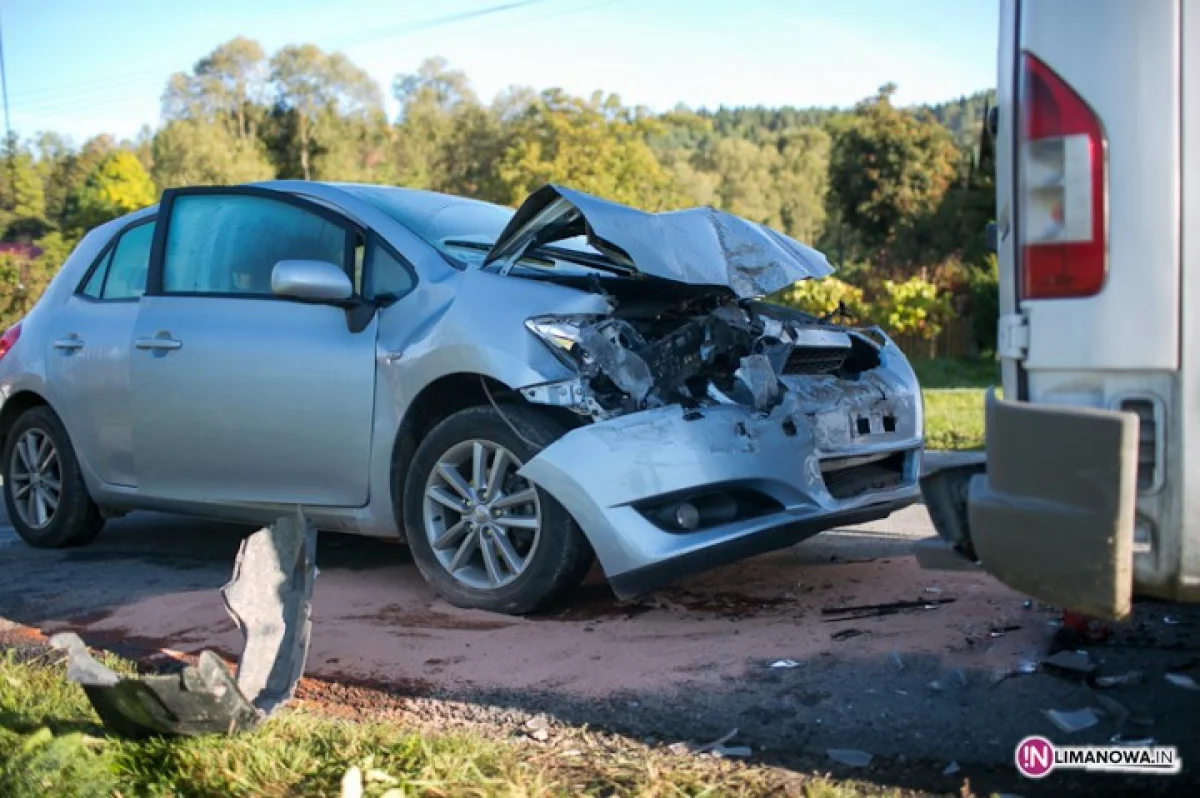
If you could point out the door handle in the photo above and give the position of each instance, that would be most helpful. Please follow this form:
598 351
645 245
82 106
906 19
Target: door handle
160 343
72 343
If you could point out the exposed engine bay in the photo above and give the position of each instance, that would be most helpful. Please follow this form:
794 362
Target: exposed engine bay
698 351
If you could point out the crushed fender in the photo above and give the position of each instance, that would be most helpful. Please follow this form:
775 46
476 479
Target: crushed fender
269 597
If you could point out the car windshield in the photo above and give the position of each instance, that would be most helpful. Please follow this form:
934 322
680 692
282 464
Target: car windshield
463 230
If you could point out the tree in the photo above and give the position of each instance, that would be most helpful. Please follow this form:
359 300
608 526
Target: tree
591 145
116 186
802 181
433 100
746 178
888 168
313 88
198 153
228 86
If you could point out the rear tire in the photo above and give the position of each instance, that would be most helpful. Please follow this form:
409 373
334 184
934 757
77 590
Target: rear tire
44 493
554 557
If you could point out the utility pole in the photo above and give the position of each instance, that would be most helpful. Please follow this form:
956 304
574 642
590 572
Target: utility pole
4 89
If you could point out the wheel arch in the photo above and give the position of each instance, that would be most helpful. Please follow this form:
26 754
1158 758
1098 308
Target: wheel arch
16 406
437 401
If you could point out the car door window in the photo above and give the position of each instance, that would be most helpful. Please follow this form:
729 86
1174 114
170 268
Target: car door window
121 274
229 244
389 277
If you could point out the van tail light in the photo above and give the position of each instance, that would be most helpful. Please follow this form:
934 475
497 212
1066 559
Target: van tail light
9 339
1062 189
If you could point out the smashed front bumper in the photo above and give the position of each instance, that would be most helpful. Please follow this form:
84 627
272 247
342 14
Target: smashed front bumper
831 453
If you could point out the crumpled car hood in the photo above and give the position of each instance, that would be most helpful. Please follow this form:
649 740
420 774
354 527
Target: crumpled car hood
700 246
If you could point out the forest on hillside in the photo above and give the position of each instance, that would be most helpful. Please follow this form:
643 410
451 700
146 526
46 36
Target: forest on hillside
897 197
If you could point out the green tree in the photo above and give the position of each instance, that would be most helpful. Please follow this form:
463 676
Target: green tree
434 102
228 86
116 186
802 181
199 153
592 145
317 94
889 167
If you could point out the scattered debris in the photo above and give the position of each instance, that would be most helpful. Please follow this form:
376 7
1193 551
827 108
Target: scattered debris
1071 722
1027 604
541 735
1071 663
846 634
1170 620
874 610
785 664
850 757
935 590
537 723
352 783
1182 680
951 769
269 598
1003 630
1118 679
1114 709
1024 668
716 747
740 751
1119 739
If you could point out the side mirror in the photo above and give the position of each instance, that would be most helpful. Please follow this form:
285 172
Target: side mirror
311 280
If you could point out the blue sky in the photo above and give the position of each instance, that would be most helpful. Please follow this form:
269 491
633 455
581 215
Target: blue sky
84 67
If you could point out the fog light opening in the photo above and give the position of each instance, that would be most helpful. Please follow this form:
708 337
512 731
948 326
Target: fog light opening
687 517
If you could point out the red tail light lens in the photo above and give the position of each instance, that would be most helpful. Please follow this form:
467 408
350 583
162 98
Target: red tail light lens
1062 191
10 337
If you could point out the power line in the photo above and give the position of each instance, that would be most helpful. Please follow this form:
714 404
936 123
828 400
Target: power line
82 96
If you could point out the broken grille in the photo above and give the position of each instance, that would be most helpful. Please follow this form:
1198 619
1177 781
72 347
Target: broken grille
855 480
816 360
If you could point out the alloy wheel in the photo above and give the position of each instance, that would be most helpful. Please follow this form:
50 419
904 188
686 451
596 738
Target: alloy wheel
35 477
482 519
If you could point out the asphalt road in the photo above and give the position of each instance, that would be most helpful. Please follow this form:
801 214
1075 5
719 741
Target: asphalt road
918 689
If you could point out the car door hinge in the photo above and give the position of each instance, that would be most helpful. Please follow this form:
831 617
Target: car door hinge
1012 336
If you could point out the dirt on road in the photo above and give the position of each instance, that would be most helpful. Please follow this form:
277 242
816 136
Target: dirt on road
786 648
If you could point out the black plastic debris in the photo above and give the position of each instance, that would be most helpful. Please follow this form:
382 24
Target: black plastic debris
269 597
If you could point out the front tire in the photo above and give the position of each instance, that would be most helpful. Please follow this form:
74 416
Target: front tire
484 537
44 492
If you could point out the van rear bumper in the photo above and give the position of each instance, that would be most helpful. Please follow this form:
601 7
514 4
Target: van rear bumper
1052 514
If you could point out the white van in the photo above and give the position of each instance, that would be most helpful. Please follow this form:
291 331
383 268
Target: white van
1089 495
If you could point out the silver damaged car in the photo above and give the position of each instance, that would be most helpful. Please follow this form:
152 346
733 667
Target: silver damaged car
516 393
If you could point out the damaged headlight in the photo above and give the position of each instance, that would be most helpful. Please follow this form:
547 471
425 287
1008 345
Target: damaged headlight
561 334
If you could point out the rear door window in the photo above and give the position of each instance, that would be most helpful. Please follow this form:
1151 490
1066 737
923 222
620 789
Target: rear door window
121 273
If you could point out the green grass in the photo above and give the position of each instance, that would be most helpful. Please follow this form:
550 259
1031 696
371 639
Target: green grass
51 743
945 373
954 390
954 419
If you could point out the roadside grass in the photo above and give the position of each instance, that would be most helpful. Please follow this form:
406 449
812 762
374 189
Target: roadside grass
51 743
954 391
964 372
954 418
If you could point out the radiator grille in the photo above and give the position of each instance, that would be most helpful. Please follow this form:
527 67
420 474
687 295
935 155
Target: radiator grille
816 359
